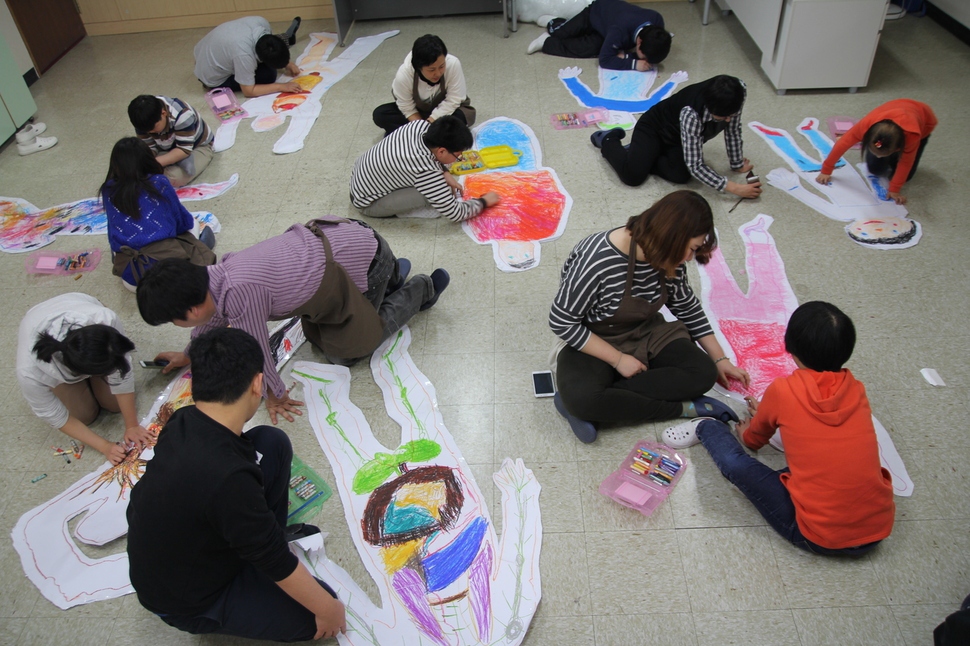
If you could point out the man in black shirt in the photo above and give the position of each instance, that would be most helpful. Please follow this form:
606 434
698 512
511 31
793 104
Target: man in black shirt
206 523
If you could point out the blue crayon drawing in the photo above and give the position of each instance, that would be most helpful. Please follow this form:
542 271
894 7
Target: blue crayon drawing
622 91
499 131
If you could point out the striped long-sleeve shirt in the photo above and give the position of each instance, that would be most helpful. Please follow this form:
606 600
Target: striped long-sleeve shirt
186 129
402 160
692 140
272 278
592 284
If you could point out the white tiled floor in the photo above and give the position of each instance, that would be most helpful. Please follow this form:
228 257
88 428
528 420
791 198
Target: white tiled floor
725 577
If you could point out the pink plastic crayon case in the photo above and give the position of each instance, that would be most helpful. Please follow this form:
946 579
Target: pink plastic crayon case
838 126
63 263
645 486
569 120
222 102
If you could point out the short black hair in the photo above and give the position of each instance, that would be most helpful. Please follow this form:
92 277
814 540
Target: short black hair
273 50
224 363
821 336
449 133
169 289
144 111
426 51
97 350
724 97
655 44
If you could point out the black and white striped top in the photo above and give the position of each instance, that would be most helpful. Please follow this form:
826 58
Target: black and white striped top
402 160
591 288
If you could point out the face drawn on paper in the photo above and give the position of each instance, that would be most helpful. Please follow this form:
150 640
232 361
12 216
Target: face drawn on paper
317 76
852 195
534 208
418 518
24 227
622 92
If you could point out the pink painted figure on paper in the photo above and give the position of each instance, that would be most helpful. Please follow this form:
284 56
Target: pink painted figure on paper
24 227
534 208
752 325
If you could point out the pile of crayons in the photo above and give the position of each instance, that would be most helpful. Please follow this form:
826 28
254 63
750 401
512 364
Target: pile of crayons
663 472
303 487
72 263
570 120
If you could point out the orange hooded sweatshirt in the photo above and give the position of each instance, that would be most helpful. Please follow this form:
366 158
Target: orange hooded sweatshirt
917 121
842 495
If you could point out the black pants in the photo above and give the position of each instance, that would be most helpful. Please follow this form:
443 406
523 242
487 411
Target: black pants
886 166
390 118
253 605
647 155
592 390
575 38
265 74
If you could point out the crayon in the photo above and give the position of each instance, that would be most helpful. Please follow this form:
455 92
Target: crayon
39 478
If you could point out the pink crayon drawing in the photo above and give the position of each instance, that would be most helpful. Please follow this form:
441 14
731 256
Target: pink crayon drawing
535 206
751 326
24 227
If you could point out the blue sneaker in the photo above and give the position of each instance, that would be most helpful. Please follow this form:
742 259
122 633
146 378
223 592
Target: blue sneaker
440 279
598 136
710 407
403 269
582 429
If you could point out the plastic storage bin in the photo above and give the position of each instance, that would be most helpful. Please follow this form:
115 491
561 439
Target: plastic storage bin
645 478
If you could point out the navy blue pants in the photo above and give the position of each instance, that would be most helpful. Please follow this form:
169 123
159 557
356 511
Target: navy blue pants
762 486
265 74
253 605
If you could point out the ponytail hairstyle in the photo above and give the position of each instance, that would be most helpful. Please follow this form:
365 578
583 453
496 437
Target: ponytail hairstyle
883 138
97 350
664 231
132 162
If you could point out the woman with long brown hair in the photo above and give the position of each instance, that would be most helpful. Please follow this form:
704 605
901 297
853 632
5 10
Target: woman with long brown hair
622 361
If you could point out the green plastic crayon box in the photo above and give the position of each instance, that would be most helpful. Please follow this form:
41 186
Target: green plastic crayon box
307 492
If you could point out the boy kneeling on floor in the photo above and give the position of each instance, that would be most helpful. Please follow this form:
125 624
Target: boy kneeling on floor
834 497
207 534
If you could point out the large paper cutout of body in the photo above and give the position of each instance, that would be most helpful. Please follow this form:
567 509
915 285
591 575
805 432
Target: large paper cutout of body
751 326
317 76
854 196
418 518
24 227
50 557
535 205
622 92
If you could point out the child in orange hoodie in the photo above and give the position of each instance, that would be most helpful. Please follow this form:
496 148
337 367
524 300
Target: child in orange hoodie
834 497
893 137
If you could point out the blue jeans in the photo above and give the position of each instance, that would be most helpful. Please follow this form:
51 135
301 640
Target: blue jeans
763 487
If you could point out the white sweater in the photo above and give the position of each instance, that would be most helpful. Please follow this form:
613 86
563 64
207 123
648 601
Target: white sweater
455 92
57 317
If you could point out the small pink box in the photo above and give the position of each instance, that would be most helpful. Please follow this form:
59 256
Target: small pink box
645 478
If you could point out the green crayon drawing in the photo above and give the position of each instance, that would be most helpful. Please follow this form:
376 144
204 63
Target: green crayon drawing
384 465
401 388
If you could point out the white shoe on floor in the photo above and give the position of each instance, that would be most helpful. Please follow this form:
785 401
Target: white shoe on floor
683 435
543 21
27 135
536 45
36 145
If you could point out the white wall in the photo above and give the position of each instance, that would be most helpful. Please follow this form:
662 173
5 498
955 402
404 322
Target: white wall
12 35
959 10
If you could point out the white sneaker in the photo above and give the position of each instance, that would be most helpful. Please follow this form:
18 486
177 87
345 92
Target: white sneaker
536 45
27 135
36 145
776 443
543 21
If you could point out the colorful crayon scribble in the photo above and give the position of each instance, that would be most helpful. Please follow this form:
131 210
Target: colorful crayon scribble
24 227
623 93
534 207
419 519
531 208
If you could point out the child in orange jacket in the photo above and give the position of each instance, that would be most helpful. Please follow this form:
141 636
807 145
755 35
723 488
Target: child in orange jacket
834 497
893 137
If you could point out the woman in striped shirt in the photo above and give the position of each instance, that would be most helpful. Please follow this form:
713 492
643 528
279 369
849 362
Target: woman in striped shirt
621 361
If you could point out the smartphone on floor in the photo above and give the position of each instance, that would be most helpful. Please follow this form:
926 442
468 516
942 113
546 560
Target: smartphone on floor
542 384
